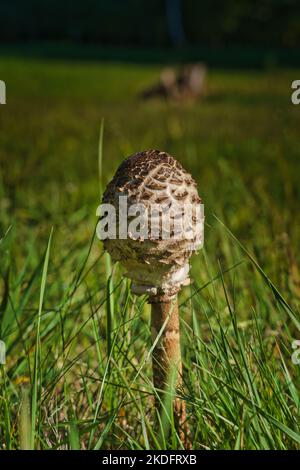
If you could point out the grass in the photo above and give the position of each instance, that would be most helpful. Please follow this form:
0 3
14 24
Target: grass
78 371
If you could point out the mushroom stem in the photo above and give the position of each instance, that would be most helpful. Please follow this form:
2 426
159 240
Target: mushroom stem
166 356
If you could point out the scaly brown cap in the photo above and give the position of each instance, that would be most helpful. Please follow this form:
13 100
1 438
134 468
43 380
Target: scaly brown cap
157 265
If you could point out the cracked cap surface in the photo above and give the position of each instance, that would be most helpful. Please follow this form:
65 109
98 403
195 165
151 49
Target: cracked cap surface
154 264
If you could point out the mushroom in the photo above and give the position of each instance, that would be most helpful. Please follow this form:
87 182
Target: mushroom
156 254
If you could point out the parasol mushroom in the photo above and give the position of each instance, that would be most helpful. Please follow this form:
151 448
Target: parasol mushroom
156 257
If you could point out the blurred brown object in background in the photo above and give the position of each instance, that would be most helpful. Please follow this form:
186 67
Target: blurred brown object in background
189 82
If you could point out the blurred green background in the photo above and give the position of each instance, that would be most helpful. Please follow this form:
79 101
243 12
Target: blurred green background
240 142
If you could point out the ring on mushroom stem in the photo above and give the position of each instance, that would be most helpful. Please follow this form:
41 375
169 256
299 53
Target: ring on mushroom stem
158 266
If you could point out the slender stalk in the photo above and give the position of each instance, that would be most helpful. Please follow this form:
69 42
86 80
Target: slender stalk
166 356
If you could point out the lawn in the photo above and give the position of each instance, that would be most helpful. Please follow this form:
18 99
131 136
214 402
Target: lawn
62 303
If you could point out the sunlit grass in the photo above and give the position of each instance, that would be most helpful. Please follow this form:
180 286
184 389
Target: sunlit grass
78 371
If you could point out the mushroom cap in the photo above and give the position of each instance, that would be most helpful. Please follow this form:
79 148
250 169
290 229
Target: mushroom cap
156 262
